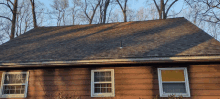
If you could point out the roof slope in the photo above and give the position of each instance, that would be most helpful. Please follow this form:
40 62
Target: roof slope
170 37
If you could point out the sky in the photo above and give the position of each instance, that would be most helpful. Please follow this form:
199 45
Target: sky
134 4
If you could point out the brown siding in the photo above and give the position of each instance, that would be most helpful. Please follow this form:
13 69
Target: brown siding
130 82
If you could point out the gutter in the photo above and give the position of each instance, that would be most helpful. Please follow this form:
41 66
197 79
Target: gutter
183 59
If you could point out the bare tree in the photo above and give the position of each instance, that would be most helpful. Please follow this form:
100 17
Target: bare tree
123 9
74 10
205 13
103 10
24 18
162 9
60 7
141 14
33 13
115 16
209 11
94 7
14 13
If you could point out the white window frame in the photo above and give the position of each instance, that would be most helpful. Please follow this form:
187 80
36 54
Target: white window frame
112 94
162 94
14 95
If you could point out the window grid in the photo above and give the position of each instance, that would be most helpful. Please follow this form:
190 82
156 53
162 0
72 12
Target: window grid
102 83
14 84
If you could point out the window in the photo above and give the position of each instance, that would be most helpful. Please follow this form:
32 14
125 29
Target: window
173 81
102 83
14 84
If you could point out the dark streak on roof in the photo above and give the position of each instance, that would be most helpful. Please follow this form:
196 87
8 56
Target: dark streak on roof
157 38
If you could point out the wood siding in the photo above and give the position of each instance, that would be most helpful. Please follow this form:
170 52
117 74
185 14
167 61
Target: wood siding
134 82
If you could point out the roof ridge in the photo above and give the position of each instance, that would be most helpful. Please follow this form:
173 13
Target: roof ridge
113 22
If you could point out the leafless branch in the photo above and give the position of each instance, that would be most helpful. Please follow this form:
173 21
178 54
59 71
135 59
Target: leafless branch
6 18
170 6
10 2
8 6
156 6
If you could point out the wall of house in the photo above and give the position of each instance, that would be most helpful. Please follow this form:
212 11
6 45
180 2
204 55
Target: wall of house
131 82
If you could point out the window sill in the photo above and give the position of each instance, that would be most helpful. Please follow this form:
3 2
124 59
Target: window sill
12 96
176 95
103 95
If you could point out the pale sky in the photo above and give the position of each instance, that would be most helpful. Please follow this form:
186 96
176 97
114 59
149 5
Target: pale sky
134 4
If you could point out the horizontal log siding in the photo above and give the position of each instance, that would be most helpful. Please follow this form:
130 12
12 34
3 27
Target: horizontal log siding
130 82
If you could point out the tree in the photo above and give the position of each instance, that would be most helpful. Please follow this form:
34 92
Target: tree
161 9
103 10
24 17
14 13
141 14
94 7
209 11
60 7
206 13
123 9
33 13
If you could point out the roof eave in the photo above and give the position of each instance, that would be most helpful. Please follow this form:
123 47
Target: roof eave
113 61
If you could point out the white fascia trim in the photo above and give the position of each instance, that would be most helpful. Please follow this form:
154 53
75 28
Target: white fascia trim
114 61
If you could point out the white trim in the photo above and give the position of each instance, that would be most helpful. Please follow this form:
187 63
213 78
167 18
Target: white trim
112 94
113 61
15 95
176 94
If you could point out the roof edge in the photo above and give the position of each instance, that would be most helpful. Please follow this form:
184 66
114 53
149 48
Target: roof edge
113 61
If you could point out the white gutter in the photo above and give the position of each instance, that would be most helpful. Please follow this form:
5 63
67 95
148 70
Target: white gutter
114 61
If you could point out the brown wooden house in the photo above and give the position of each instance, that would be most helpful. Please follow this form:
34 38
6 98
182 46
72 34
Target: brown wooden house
128 60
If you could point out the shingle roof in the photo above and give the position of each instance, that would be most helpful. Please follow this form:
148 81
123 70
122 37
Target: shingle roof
170 37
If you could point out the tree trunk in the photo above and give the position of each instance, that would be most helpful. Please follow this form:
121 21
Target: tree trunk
163 9
33 12
125 16
73 19
13 20
105 10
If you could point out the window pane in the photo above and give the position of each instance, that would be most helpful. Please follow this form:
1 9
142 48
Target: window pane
96 79
6 92
174 87
97 85
103 90
108 79
102 73
97 90
102 79
172 75
22 91
13 89
12 92
14 78
102 76
103 85
108 74
109 89
109 85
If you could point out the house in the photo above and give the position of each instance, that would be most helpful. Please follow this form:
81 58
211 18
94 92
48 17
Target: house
127 60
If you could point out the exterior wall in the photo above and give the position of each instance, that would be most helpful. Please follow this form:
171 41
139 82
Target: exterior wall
130 82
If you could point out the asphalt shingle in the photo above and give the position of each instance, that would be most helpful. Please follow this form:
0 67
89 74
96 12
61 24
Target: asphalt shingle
163 38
